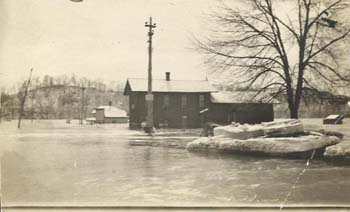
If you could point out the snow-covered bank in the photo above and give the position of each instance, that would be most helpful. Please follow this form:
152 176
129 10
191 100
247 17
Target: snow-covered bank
339 152
280 138
279 147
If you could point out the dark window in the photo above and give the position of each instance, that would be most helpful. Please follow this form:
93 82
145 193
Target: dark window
166 101
183 101
201 101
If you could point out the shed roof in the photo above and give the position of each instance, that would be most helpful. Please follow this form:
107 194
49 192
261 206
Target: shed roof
111 112
241 97
162 85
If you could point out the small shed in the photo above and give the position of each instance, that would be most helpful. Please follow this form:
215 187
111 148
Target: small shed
241 107
109 114
334 119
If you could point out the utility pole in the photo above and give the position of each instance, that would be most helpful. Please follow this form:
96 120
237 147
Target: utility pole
82 104
149 96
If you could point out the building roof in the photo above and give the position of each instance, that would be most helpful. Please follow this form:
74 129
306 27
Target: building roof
241 97
111 112
162 85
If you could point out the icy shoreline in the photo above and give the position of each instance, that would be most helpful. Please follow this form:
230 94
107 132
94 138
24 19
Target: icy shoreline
295 147
277 139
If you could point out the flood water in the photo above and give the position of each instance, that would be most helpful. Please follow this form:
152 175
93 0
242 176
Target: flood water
54 163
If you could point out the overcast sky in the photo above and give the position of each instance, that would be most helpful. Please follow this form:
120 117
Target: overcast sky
101 39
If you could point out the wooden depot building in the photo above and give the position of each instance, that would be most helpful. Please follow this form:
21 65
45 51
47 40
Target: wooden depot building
176 103
190 103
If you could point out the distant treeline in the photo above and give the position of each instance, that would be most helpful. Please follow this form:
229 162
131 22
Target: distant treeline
60 97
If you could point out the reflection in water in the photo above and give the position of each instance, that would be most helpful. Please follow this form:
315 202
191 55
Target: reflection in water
95 165
147 154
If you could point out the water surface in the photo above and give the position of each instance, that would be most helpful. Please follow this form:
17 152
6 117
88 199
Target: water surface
53 163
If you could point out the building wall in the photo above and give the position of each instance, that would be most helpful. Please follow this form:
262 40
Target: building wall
137 109
100 116
109 120
241 113
174 115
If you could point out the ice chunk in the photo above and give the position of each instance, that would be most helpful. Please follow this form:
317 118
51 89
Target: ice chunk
283 128
239 131
341 150
270 129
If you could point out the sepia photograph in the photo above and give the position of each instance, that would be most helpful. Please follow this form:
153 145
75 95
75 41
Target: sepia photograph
174 105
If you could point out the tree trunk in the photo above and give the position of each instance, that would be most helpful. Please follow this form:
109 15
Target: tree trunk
294 109
23 100
293 113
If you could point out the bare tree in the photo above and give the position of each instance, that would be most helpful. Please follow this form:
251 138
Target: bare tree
23 98
280 51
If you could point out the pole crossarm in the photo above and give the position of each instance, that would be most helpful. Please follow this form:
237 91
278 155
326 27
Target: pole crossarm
150 25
